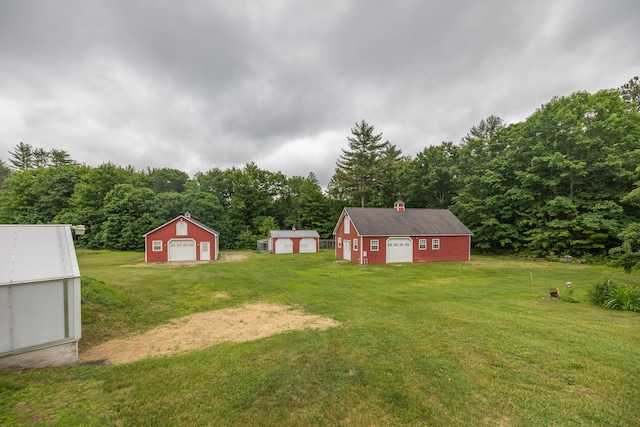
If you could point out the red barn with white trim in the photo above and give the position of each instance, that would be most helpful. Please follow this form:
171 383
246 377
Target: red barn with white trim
385 235
181 239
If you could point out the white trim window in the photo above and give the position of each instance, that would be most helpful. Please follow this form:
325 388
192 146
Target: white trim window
374 245
422 244
339 242
156 245
435 244
181 228
347 225
355 244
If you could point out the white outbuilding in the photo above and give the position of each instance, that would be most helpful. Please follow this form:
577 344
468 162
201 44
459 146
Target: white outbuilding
293 241
40 322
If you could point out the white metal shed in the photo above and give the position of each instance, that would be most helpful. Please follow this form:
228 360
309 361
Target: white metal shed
40 322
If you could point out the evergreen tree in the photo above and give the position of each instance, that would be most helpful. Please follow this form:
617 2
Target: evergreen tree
485 130
630 92
22 157
59 157
358 169
40 158
5 171
389 186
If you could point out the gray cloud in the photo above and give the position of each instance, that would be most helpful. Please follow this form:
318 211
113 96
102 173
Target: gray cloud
207 84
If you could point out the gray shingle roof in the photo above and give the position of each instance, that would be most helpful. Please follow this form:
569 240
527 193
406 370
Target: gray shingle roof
287 234
411 222
209 229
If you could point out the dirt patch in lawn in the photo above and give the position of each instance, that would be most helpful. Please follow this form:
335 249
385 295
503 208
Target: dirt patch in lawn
200 330
175 264
232 257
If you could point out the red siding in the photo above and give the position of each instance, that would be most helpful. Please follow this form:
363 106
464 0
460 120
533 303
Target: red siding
452 248
341 236
168 232
375 257
295 241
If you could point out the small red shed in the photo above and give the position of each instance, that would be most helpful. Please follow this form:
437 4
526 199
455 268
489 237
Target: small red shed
181 239
385 235
293 241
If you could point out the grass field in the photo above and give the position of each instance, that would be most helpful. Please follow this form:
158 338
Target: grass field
463 343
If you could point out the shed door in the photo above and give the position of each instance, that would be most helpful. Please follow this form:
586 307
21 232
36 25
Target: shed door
284 246
399 249
308 245
182 250
205 251
346 250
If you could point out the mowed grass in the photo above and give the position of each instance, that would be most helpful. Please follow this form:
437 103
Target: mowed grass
462 343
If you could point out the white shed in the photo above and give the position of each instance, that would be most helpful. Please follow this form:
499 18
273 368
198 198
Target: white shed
293 241
39 297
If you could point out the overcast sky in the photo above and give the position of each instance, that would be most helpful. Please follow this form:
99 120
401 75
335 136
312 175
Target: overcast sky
200 84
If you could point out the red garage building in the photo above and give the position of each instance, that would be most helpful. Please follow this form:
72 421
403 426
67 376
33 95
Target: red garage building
181 239
385 235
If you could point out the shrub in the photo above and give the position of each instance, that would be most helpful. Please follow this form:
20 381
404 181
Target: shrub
616 296
567 295
600 291
624 297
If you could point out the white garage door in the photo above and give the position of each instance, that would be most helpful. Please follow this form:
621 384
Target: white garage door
308 245
284 246
399 250
182 250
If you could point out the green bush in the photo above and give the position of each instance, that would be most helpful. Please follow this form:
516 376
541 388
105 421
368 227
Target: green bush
567 295
616 296
600 291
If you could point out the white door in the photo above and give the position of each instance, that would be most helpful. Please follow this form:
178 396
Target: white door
205 251
182 250
284 246
308 245
346 252
399 250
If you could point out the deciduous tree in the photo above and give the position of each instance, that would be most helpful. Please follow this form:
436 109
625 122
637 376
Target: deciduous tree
163 180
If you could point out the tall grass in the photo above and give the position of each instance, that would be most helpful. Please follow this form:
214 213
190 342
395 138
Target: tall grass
468 343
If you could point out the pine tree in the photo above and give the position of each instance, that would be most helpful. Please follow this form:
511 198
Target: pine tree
60 157
358 168
22 157
41 158
630 92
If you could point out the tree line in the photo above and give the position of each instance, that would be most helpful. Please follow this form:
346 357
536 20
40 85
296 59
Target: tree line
118 204
562 182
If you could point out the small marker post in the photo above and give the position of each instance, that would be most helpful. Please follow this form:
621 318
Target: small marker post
533 292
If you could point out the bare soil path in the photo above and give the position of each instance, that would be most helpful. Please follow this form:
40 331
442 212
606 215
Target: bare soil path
200 330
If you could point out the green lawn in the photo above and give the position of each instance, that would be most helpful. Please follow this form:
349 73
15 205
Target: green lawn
463 343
